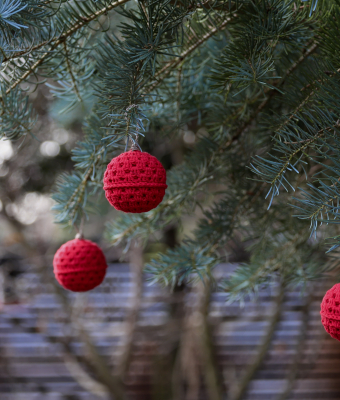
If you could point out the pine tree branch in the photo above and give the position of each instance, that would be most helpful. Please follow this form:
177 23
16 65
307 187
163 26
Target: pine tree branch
169 202
304 145
75 87
315 214
80 24
302 104
57 41
270 94
61 39
80 191
306 54
28 73
13 117
166 70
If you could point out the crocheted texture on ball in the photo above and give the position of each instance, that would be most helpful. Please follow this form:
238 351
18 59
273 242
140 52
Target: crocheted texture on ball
330 311
135 182
79 265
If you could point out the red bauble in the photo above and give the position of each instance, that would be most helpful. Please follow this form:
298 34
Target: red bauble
79 265
135 182
330 311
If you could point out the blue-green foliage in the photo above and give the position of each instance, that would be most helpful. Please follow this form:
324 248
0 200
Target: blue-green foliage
16 16
18 117
264 30
180 265
309 135
256 85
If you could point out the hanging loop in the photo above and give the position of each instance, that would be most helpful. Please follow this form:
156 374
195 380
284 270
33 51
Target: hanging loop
134 146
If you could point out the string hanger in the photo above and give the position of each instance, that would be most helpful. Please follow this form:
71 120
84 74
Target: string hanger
134 146
80 234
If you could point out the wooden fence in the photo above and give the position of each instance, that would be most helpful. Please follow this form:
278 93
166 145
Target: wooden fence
300 361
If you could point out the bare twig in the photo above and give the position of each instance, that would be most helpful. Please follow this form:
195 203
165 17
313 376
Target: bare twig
213 381
136 263
236 392
299 348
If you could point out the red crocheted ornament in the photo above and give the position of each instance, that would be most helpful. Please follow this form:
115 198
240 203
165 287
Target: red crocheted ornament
79 265
330 311
135 182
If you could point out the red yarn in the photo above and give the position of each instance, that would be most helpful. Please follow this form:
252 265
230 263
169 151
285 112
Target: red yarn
135 182
330 311
79 265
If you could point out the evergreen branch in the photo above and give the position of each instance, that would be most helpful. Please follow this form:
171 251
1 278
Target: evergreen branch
89 156
166 70
292 142
207 243
71 210
181 265
303 145
81 24
16 120
305 100
248 60
75 87
297 109
305 54
139 222
276 252
61 39
270 94
76 27
38 63
323 199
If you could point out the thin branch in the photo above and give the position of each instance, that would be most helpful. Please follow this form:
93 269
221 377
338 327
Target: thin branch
71 72
237 392
81 188
136 263
305 144
212 378
299 349
113 384
82 377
